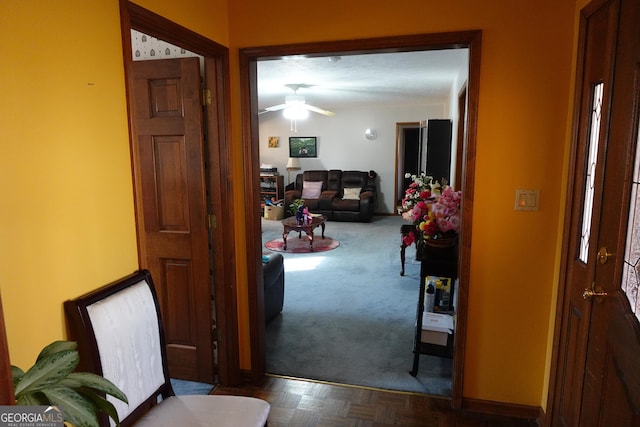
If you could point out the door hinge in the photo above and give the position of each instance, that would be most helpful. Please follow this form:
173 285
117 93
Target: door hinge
206 96
211 219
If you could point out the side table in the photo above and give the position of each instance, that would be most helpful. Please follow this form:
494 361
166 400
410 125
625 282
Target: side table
291 224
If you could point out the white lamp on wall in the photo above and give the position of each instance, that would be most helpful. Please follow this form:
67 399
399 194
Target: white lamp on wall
292 165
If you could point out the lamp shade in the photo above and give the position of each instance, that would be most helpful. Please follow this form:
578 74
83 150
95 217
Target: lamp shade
293 164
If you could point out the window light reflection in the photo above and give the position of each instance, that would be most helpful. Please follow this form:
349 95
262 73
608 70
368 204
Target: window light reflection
302 263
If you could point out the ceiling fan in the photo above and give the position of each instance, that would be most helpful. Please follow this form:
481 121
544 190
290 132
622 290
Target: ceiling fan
295 106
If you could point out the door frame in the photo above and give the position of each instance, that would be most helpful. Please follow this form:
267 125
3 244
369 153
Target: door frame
249 103
218 170
461 136
400 153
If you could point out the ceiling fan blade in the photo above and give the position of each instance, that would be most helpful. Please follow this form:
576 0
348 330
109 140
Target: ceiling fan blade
276 107
273 108
318 110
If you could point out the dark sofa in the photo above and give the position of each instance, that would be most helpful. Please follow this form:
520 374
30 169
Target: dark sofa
339 195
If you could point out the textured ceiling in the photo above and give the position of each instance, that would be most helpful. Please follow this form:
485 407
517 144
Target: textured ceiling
339 82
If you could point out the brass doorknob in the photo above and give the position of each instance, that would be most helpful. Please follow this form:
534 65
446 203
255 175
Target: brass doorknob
594 292
604 255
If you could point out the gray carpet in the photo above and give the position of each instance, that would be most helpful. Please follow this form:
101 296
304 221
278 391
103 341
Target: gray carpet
348 314
182 387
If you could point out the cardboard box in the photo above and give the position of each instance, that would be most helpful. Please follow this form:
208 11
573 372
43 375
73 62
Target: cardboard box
433 337
273 212
436 328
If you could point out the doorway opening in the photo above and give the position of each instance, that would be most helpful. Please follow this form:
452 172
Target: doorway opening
408 155
248 69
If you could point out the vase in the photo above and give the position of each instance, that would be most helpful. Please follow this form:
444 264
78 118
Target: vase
442 242
300 216
439 257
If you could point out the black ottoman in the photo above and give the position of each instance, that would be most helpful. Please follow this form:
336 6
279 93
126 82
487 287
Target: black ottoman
273 273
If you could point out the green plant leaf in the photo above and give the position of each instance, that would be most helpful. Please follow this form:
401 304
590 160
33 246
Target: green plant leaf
97 382
77 410
47 371
56 347
101 404
32 399
16 375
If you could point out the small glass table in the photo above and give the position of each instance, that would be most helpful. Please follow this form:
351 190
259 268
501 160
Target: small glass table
291 224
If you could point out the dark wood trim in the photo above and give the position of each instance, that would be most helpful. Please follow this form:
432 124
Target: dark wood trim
223 236
460 136
468 185
406 43
512 410
248 87
218 169
249 102
6 379
160 27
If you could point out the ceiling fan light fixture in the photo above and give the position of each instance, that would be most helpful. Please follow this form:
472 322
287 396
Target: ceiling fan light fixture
295 113
294 99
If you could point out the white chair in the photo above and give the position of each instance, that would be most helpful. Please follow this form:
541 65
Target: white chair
120 336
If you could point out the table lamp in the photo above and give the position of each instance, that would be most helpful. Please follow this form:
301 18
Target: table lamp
292 165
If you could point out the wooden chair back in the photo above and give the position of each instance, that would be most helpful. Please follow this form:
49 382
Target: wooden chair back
119 333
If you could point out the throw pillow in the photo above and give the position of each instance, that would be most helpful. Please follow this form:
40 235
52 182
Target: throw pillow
351 193
311 189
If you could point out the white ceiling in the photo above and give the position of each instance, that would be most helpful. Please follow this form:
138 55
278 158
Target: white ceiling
341 82
405 78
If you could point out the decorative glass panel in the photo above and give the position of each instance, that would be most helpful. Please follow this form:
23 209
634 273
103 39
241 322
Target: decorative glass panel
631 272
592 160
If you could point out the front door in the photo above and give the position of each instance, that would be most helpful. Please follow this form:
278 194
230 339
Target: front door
168 149
597 381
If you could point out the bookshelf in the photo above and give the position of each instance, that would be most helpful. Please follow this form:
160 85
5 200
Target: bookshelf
271 187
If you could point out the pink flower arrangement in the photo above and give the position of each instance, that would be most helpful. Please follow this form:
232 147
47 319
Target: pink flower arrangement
435 216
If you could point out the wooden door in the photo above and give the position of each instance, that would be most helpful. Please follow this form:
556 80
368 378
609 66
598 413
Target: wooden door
169 152
439 150
598 363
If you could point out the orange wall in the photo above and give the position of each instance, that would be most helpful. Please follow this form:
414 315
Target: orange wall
524 93
67 210
65 180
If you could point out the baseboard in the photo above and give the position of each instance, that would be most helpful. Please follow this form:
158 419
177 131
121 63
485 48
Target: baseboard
249 377
487 407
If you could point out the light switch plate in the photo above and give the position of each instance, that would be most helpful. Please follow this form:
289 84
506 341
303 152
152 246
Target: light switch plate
527 200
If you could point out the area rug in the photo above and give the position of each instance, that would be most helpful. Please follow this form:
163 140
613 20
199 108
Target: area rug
300 245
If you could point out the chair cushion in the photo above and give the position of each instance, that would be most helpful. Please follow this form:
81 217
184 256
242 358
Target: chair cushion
218 411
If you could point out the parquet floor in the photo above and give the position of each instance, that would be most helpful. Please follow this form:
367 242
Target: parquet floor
299 403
